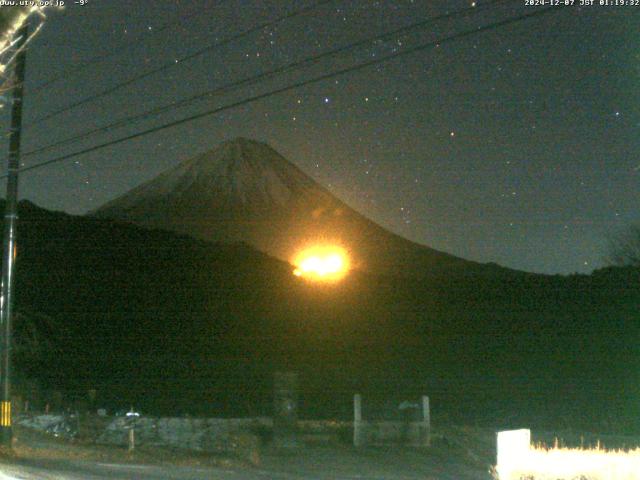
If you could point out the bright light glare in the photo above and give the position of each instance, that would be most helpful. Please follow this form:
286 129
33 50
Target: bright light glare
520 460
321 263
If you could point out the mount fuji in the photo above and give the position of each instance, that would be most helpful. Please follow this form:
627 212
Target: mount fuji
245 191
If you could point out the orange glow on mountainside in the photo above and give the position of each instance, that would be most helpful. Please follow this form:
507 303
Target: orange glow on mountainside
321 263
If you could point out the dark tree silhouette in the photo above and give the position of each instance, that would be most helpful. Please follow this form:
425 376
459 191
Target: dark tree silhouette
624 249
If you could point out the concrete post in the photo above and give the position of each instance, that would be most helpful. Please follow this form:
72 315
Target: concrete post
285 418
357 407
426 413
358 434
425 437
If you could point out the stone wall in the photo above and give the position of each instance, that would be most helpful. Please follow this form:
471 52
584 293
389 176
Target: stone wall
221 434
199 434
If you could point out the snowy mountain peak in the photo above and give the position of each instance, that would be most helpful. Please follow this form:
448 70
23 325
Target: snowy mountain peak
239 174
244 190
249 172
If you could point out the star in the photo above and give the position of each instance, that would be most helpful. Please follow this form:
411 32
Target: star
414 132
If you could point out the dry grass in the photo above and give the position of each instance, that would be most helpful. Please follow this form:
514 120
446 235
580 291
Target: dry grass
542 463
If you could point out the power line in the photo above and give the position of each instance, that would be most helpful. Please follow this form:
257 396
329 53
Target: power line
254 79
178 61
303 83
117 50
294 86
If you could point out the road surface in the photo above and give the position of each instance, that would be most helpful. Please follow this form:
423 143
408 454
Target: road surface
80 470
320 465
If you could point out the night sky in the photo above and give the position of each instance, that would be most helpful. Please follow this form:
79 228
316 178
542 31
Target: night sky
518 145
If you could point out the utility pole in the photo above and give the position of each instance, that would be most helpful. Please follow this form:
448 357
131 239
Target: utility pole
9 243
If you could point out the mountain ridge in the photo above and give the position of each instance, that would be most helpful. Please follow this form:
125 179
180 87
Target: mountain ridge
173 325
244 190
